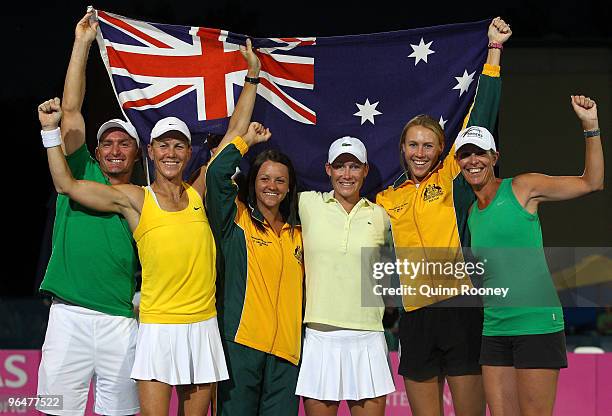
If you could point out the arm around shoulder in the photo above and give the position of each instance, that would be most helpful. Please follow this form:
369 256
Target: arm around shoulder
123 199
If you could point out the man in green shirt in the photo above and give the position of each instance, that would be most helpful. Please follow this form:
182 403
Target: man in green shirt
92 330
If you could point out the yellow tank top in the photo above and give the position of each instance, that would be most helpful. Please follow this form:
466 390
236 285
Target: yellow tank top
177 253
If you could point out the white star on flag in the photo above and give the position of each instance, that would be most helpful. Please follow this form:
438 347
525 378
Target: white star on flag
463 82
367 111
442 122
421 51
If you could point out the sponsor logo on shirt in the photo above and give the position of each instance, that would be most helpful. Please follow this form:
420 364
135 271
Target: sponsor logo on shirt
399 207
260 241
432 192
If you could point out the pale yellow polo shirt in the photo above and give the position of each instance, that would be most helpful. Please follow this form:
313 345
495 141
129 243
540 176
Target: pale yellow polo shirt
333 240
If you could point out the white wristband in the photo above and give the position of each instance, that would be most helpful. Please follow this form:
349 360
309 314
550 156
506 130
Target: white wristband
51 138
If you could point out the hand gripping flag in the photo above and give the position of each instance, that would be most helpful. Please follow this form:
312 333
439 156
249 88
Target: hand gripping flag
312 90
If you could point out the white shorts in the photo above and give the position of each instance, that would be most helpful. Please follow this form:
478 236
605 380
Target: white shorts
82 344
344 365
180 353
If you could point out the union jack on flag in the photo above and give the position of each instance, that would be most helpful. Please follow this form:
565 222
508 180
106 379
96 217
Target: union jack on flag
312 90
164 63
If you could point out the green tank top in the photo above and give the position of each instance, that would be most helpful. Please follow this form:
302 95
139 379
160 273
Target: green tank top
510 239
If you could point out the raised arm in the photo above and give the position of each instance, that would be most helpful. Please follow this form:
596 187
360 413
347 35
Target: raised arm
499 32
121 199
73 125
221 189
533 188
485 108
241 117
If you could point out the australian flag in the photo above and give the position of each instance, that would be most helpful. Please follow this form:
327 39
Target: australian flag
313 90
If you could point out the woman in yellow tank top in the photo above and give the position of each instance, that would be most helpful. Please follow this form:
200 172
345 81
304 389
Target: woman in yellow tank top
178 340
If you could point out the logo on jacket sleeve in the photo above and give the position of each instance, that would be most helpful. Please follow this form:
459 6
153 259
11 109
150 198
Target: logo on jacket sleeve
432 192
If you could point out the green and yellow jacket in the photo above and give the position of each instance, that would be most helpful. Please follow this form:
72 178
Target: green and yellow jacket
434 213
260 273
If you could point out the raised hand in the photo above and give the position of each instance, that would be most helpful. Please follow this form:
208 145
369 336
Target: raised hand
256 133
50 114
86 28
251 57
586 110
499 31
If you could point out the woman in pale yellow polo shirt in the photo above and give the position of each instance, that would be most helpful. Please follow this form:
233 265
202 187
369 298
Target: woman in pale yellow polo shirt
345 353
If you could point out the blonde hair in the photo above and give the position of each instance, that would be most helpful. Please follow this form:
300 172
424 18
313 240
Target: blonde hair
425 121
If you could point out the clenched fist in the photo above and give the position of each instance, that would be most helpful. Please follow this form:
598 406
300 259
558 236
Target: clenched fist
50 114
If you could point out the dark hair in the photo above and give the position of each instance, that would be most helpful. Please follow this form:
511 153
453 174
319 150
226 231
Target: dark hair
289 205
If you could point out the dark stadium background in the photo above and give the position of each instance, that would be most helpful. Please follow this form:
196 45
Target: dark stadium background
38 39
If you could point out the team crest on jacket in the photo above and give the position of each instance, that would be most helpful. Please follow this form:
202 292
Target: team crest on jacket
432 192
298 253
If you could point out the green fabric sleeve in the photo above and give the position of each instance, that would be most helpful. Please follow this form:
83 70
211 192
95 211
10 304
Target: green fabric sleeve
486 103
221 191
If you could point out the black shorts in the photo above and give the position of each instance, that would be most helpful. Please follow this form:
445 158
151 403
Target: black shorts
440 341
525 351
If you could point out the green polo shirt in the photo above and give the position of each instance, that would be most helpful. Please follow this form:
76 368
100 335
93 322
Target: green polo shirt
93 259
333 242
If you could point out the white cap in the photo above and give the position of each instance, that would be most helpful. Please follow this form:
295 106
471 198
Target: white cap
350 145
475 135
117 123
170 124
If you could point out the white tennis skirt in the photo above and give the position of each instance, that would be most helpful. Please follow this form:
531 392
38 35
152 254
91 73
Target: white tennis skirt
344 365
180 353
